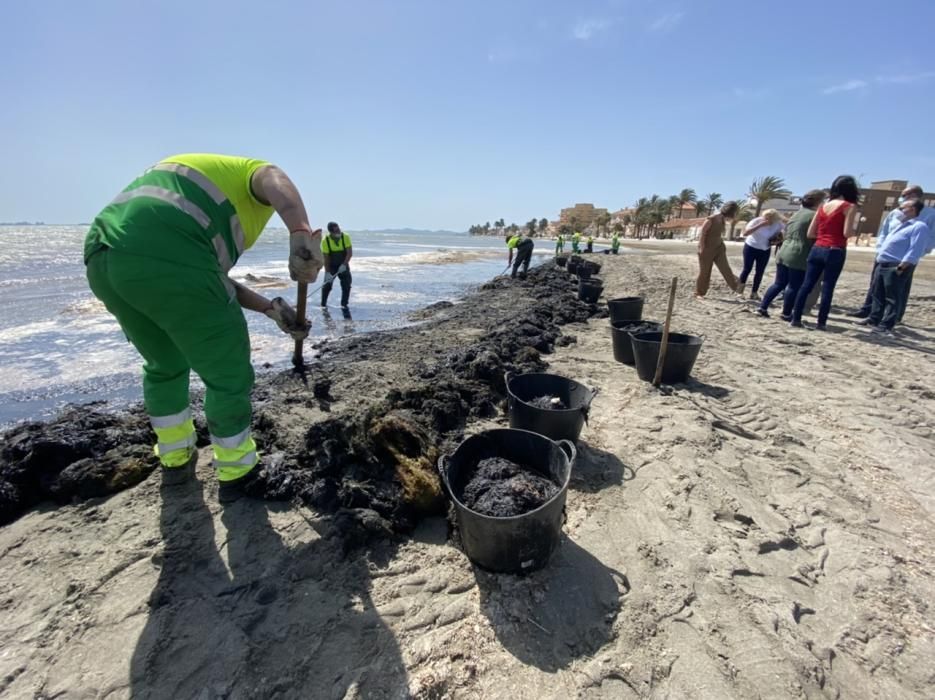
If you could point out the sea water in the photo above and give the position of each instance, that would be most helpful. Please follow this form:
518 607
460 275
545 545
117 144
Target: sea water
59 345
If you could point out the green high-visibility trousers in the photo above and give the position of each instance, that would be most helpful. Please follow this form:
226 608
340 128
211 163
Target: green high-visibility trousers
181 319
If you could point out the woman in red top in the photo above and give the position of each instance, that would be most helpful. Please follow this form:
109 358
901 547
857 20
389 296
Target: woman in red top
831 227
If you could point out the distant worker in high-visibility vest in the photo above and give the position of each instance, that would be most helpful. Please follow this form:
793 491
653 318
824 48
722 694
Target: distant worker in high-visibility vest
576 242
559 244
615 243
523 246
336 247
158 256
590 244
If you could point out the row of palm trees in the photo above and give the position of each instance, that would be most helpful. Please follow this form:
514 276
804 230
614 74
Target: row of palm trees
500 228
648 213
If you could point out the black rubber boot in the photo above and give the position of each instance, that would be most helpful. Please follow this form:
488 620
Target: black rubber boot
172 476
230 491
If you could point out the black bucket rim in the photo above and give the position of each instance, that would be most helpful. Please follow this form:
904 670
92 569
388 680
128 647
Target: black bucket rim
630 298
562 488
673 337
618 325
583 407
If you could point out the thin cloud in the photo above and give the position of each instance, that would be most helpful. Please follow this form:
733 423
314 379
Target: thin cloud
587 28
666 22
898 79
849 86
904 79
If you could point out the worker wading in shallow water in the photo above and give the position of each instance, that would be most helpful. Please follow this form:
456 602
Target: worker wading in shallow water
336 247
158 256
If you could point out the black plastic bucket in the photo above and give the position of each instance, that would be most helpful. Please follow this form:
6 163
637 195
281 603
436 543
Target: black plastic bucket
681 354
620 333
557 424
587 269
572 266
590 290
521 543
625 309
561 260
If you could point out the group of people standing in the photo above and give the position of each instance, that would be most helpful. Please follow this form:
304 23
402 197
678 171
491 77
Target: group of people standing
812 251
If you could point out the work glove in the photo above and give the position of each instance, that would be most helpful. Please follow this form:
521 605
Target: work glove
342 269
328 277
285 318
305 257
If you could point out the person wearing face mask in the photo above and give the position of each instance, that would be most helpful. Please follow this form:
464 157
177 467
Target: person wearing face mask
890 222
336 247
895 260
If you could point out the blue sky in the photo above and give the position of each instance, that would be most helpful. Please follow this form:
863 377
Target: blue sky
442 113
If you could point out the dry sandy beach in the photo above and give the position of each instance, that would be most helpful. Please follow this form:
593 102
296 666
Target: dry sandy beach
765 530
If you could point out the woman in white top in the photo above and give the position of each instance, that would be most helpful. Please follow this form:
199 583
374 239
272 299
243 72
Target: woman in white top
760 231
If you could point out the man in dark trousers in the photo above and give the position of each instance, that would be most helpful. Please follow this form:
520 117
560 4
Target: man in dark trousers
336 248
523 247
896 258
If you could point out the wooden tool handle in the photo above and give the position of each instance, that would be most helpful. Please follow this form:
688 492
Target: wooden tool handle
664 345
300 301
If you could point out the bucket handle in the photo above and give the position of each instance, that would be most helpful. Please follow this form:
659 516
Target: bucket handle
443 466
568 447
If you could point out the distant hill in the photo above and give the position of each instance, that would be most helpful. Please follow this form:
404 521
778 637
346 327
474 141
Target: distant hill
409 231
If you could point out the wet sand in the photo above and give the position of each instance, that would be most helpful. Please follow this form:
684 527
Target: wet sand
762 531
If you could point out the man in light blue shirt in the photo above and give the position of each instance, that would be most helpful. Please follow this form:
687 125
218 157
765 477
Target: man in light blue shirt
890 223
905 244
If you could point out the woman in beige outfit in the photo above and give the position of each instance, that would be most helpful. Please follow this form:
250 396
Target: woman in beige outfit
712 251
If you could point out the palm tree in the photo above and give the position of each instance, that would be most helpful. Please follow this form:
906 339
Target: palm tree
715 200
675 204
767 188
660 212
744 213
640 209
543 225
601 221
686 196
531 226
499 224
702 207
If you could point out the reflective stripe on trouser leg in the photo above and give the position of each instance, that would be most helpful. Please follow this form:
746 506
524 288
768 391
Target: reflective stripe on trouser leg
176 436
234 456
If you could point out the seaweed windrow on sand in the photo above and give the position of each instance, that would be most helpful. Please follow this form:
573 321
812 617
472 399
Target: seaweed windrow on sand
363 435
